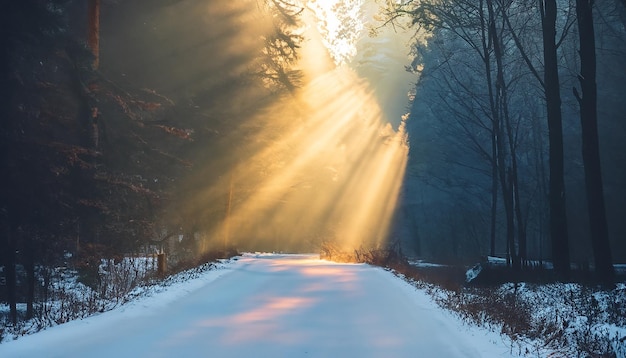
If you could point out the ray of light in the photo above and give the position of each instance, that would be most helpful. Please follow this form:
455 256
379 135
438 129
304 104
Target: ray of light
340 23
324 165
334 174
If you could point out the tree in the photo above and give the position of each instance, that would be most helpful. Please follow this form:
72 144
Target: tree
93 31
500 113
558 216
5 240
281 45
481 27
24 24
590 147
541 193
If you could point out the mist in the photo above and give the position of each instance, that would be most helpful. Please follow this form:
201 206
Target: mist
281 172
150 142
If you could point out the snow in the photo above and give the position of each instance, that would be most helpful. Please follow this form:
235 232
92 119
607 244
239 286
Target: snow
422 263
472 273
271 305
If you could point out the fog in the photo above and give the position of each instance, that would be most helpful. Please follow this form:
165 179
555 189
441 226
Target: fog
323 162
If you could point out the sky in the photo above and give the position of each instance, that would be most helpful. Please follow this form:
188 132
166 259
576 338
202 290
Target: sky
270 305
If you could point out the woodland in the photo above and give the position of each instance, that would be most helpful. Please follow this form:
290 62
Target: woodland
116 115
103 136
516 132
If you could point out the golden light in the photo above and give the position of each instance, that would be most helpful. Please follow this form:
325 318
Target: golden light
325 165
339 22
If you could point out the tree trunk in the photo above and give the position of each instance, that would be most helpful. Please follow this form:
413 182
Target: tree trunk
6 128
513 177
514 183
29 265
93 31
494 195
521 224
558 216
495 117
500 108
228 212
590 150
10 274
540 169
494 151
409 213
507 196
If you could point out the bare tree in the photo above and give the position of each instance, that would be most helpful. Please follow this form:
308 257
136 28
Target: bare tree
558 216
590 149
482 27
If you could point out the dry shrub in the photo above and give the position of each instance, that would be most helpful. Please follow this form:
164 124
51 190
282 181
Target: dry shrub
389 256
332 252
489 307
191 262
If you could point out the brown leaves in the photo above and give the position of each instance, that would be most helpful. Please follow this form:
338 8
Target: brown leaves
180 133
132 107
148 106
73 154
123 104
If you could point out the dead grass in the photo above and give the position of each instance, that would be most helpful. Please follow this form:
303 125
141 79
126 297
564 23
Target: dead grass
568 320
541 317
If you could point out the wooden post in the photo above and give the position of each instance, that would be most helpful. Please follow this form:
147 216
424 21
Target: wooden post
228 207
161 263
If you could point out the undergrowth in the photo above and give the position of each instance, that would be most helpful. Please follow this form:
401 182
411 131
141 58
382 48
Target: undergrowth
540 319
66 298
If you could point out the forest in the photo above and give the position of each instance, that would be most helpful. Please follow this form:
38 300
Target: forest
131 128
516 131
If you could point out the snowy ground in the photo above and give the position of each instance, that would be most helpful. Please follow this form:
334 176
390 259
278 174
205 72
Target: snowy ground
266 305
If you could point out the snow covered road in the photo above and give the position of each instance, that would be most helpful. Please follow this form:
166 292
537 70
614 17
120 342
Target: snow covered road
271 306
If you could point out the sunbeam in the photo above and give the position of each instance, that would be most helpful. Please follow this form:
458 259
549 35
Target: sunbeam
324 164
339 22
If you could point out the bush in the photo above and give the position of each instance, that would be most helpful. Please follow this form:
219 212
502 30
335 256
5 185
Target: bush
69 295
